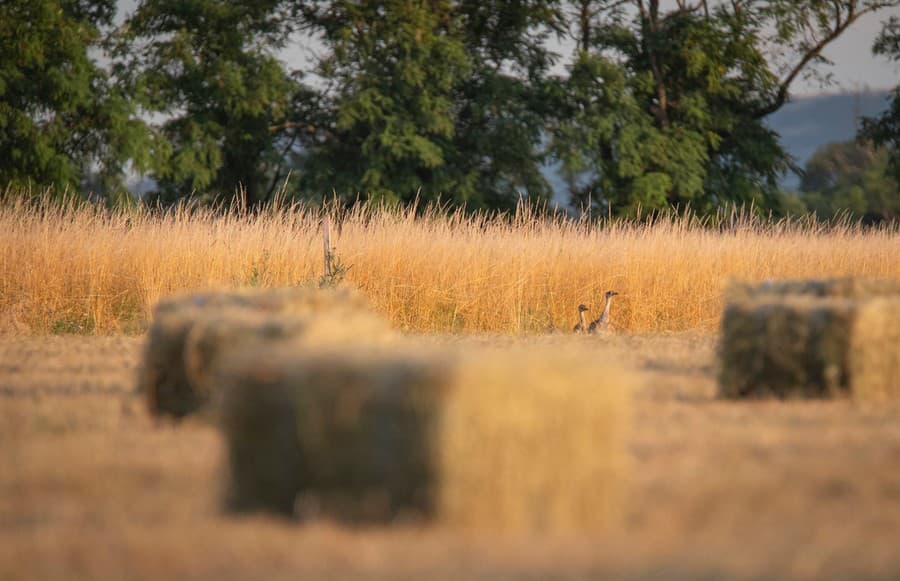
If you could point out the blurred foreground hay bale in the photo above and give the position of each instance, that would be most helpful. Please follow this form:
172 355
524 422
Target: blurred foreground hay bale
189 332
355 426
515 440
217 336
812 339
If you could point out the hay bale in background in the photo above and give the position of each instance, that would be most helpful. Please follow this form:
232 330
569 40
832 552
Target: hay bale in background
524 440
802 346
162 376
220 335
843 287
297 300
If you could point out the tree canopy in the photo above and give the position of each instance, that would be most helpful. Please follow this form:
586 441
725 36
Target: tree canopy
666 107
63 121
884 130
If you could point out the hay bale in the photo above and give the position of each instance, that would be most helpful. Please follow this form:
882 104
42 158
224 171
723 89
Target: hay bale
516 441
161 374
163 377
533 440
875 350
301 300
840 287
220 335
803 346
356 427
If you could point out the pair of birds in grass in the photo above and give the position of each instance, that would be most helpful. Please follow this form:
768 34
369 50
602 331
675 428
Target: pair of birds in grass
601 323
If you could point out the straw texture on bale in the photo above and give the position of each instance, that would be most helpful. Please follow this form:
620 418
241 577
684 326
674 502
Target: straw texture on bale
167 379
513 441
534 441
804 346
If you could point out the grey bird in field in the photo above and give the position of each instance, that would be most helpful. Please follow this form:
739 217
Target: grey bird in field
602 321
582 324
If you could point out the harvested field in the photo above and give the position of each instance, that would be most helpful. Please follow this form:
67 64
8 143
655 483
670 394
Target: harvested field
93 488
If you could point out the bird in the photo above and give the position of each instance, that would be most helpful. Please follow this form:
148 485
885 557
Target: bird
581 325
602 321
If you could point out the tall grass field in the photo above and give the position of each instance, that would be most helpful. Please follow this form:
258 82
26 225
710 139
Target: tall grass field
75 267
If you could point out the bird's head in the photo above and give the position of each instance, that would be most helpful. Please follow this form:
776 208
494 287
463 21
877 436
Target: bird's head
582 308
611 293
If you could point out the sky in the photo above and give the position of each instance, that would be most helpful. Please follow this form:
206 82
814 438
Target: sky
855 67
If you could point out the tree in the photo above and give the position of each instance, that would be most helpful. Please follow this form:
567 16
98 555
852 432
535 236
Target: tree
393 65
666 107
851 177
430 99
62 120
504 103
231 113
884 130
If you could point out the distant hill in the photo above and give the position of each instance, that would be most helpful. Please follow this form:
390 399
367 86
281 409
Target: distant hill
806 123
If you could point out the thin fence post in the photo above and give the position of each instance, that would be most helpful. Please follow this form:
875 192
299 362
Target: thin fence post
327 247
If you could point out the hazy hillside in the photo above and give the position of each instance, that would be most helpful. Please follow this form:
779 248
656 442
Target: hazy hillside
809 122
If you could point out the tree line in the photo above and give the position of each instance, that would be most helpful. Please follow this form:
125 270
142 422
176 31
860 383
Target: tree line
660 104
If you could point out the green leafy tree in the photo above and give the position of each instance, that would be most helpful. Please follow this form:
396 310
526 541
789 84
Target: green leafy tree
63 122
666 107
884 130
504 103
393 65
230 114
851 177
434 98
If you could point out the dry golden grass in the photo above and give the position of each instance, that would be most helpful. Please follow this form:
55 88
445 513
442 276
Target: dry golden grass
80 269
93 489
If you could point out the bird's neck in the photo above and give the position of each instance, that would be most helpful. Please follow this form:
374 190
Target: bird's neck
582 317
606 307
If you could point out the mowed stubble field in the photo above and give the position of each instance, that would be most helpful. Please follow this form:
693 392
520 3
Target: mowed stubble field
93 488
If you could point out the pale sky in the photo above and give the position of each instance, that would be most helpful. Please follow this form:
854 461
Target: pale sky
855 67
854 64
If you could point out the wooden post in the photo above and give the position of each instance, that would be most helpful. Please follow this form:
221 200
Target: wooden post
327 248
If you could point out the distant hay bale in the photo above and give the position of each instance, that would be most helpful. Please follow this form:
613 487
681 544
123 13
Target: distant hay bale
302 300
163 376
513 440
842 287
804 346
